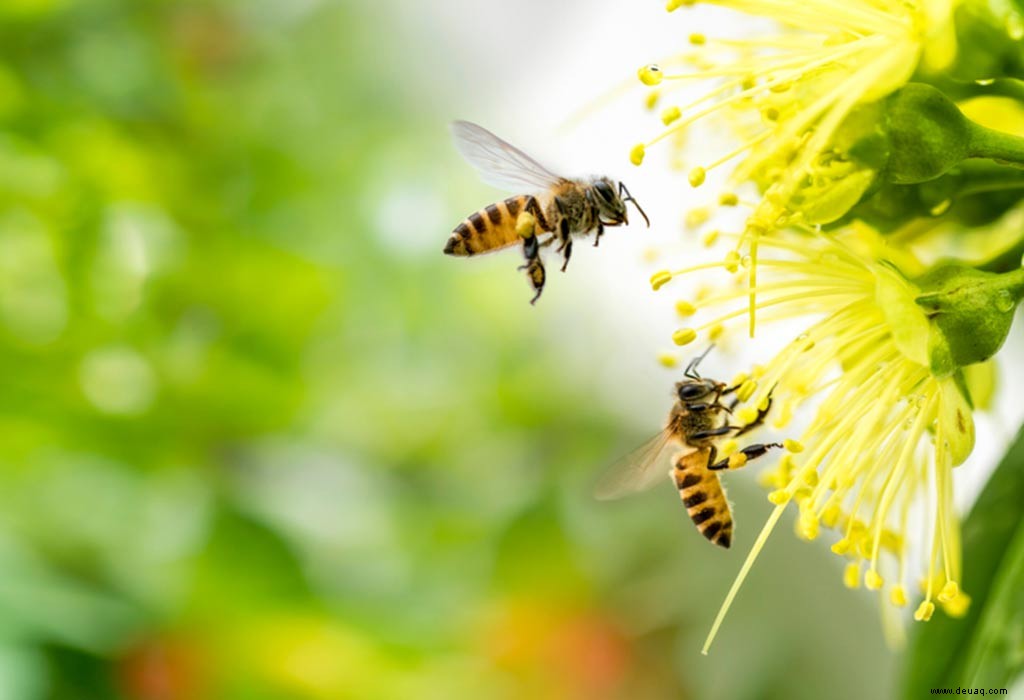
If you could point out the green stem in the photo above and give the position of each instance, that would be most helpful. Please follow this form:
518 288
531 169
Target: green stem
997 145
981 176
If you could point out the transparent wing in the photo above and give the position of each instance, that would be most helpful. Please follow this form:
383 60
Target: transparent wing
638 470
500 163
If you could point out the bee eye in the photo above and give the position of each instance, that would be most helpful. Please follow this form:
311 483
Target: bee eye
688 392
605 190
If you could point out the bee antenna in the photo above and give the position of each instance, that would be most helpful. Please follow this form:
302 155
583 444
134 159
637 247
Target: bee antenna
629 198
691 369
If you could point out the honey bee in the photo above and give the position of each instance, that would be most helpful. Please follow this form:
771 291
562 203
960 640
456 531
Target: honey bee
697 420
555 207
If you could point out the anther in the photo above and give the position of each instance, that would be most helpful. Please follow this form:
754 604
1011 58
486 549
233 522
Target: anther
924 611
650 74
670 114
684 336
660 278
851 576
636 156
685 308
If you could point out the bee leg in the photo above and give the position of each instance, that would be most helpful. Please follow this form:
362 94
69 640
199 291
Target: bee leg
704 406
600 232
751 452
568 254
534 267
724 430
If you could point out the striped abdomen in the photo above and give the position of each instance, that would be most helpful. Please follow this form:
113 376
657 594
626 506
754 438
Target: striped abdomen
489 229
703 496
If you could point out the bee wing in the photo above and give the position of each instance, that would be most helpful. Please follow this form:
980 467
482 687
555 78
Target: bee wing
636 471
500 163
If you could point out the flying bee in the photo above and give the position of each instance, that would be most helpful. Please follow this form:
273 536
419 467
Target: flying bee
697 420
554 208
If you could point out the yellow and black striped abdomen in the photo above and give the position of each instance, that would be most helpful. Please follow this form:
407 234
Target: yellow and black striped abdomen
491 228
703 496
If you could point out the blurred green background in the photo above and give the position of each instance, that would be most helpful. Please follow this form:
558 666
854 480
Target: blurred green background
260 439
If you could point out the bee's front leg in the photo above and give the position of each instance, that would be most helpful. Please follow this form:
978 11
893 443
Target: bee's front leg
600 232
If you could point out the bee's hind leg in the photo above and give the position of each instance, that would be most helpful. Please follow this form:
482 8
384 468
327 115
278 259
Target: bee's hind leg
534 267
749 453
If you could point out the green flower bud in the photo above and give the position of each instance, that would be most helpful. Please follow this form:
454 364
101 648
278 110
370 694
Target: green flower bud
928 134
969 312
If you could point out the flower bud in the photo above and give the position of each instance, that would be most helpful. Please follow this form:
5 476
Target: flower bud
927 134
969 312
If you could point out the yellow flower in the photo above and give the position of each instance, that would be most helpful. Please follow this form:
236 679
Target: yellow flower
886 431
787 94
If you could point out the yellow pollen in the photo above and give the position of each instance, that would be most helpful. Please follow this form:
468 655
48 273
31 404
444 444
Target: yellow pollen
841 547
924 611
696 217
697 176
851 576
746 415
808 525
651 101
873 581
958 606
685 308
650 74
660 278
711 237
684 336
672 5
732 261
636 156
779 497
698 39
729 446
811 478
737 460
670 114
728 199
716 331
794 446
950 591
667 359
898 597
746 390
526 225
831 515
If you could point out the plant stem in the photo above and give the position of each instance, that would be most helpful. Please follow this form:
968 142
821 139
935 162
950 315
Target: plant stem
997 145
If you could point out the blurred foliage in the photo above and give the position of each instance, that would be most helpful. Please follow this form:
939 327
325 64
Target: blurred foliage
982 649
258 440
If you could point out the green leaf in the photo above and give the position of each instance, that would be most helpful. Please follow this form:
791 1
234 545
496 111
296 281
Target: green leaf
984 649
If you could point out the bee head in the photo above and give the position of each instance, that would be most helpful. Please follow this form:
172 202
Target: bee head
693 390
611 199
